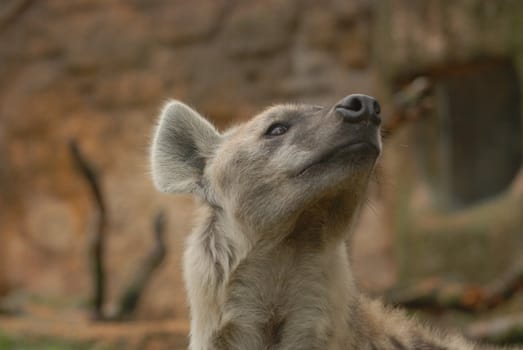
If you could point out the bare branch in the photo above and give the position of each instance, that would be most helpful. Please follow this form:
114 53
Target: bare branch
436 294
409 103
97 232
139 281
502 330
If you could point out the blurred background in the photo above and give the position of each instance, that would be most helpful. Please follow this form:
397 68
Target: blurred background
90 253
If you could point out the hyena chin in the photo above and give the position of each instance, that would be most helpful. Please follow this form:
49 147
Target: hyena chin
266 266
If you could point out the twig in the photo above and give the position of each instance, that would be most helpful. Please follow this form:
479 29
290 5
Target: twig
437 295
409 103
97 232
132 294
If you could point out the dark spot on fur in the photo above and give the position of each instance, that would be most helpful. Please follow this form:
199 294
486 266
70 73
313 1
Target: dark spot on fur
226 336
219 272
314 227
422 344
273 330
237 286
396 343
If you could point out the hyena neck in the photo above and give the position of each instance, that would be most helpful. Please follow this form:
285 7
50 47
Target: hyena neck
249 294
300 286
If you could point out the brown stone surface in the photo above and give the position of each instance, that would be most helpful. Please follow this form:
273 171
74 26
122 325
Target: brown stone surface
413 36
98 71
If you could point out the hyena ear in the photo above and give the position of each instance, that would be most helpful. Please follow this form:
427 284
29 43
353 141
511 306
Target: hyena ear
182 143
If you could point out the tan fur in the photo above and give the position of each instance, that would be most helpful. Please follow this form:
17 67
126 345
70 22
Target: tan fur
266 265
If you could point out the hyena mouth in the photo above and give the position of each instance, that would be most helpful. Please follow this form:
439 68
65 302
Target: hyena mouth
355 152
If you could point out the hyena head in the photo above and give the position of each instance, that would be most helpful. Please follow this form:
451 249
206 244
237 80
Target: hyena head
271 173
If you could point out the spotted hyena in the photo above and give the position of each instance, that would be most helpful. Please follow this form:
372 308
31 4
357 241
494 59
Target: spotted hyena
266 266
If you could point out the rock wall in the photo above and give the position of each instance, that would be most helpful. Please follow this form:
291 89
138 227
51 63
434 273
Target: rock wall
414 37
452 42
97 71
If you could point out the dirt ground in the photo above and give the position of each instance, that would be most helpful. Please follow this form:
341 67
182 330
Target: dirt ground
76 329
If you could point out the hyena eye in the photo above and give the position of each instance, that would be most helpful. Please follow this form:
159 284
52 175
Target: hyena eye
277 129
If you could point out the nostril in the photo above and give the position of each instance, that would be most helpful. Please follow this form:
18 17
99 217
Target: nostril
358 107
354 104
377 108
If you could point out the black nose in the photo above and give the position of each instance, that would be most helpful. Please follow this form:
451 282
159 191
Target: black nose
358 108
